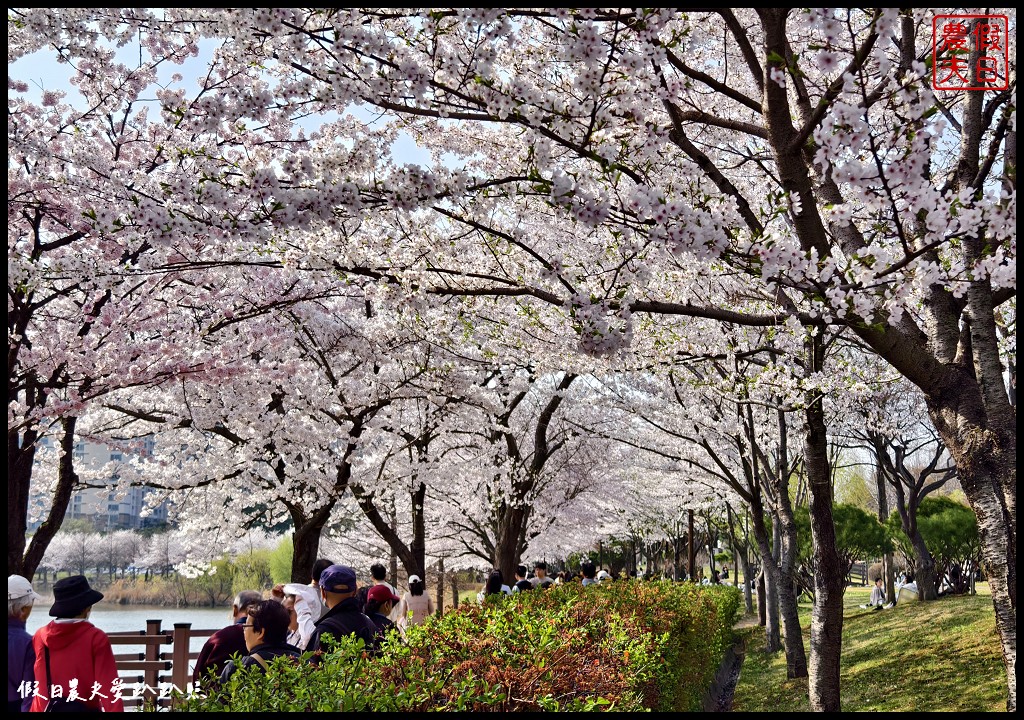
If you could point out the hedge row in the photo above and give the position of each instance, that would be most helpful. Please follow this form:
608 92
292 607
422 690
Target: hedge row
619 646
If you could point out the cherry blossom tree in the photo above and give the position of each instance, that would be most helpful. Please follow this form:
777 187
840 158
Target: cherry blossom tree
279 436
608 161
164 551
519 450
406 456
118 550
109 210
913 461
77 552
727 419
884 417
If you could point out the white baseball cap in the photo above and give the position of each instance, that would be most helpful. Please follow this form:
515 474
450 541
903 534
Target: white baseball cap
414 579
603 575
18 587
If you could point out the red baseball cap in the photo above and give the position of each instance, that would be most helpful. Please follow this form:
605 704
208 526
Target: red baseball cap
381 594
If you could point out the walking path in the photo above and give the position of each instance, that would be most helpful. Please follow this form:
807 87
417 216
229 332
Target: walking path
730 675
747 621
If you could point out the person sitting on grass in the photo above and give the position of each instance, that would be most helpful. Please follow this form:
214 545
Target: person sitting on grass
910 586
877 595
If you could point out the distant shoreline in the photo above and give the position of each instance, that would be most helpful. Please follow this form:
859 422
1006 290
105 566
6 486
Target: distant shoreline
47 600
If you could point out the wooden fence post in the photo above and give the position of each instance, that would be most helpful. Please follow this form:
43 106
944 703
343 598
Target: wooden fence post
151 676
180 677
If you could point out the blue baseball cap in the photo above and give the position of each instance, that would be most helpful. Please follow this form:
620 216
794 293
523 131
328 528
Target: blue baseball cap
338 579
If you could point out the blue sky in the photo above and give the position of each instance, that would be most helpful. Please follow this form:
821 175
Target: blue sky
43 72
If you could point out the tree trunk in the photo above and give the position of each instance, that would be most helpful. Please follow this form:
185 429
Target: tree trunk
440 587
511 522
924 569
768 603
675 558
890 577
306 544
888 572
796 656
711 552
827 613
455 590
21 453
762 615
743 562
66 479
986 463
692 549
413 555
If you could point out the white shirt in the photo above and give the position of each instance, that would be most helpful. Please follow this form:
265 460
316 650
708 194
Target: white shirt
388 585
480 595
307 612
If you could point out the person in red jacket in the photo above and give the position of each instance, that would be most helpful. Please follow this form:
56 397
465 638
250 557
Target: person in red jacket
81 663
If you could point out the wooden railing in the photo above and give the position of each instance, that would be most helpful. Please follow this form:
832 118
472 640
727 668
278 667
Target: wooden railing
858 573
161 671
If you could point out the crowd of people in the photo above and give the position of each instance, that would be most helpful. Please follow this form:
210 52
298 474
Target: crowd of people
588 574
69 663
298 617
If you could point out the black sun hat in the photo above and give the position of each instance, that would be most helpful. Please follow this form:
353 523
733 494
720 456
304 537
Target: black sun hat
72 595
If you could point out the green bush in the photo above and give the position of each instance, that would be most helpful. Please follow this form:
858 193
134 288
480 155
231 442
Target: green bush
859 535
950 532
628 646
252 570
281 561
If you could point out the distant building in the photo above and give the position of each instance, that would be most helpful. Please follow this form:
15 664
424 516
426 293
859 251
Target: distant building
103 508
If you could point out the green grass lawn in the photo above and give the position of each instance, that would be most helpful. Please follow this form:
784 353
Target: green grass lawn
937 656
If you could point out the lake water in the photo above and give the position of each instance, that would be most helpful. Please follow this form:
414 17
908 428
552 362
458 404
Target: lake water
119 618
